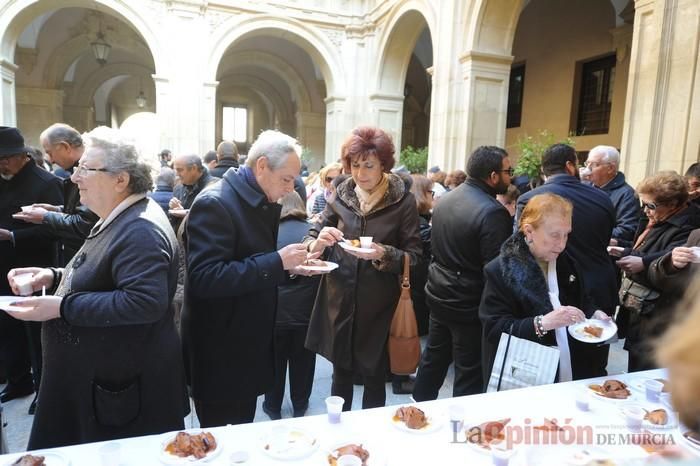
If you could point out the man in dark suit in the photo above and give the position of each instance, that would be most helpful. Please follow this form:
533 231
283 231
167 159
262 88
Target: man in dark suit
22 244
233 269
592 225
469 226
227 156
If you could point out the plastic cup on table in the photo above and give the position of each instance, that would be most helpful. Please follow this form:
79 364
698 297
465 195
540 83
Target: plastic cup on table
583 399
653 389
349 460
456 417
111 454
366 242
334 407
634 415
24 283
500 455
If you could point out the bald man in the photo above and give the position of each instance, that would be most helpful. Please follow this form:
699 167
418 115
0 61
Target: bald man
227 154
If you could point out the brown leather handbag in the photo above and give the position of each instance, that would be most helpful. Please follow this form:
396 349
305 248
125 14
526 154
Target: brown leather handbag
404 343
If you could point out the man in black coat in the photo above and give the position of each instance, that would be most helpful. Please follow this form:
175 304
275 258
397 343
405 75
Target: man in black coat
22 244
469 226
227 156
233 269
604 162
592 225
71 222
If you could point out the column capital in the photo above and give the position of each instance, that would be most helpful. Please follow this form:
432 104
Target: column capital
6 65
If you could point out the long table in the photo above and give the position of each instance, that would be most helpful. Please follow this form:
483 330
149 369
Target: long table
601 431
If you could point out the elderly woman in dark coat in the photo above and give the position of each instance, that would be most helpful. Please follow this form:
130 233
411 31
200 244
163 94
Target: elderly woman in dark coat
112 358
351 318
535 287
671 217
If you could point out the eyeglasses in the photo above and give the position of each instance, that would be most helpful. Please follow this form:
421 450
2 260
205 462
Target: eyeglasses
649 205
82 170
510 171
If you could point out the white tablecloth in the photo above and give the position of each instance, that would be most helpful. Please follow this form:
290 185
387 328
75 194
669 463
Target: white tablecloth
389 445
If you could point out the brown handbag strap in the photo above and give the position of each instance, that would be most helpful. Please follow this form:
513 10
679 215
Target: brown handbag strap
405 281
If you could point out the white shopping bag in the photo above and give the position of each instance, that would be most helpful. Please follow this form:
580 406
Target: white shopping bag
522 363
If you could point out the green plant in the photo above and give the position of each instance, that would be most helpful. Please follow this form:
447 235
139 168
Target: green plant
307 156
531 150
415 160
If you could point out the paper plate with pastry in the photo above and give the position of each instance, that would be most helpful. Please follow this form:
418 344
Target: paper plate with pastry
367 454
655 419
593 330
187 447
482 435
38 458
289 443
415 420
317 265
354 245
613 390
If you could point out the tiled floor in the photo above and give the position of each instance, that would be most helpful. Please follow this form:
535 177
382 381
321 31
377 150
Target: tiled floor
19 423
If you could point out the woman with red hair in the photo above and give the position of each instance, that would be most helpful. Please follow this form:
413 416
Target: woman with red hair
355 304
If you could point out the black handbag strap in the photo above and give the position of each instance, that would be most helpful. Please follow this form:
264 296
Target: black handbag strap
505 356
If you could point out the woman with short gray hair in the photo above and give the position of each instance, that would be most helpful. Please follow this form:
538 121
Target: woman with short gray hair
112 357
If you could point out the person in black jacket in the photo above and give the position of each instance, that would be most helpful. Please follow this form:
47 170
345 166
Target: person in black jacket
671 217
295 299
22 183
70 222
593 221
227 156
469 226
164 188
537 288
233 270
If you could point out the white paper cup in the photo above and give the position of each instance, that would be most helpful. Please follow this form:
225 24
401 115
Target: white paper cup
24 283
500 455
366 242
334 407
111 454
456 417
634 415
349 460
653 389
583 399
696 253
239 457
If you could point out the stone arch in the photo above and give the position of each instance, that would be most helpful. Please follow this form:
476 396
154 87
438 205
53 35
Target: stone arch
491 26
18 14
91 83
310 39
282 69
396 52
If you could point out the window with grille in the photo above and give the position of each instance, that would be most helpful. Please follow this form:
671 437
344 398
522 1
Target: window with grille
515 96
595 99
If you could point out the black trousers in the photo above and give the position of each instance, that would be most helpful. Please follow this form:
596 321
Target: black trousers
221 413
20 350
290 351
450 342
373 396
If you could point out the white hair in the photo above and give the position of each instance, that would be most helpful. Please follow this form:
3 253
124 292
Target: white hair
275 146
610 154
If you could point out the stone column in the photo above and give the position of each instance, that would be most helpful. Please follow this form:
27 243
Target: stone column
207 120
336 127
387 113
164 112
310 131
8 116
661 127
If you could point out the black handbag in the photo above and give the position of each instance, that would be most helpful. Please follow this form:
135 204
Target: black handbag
637 298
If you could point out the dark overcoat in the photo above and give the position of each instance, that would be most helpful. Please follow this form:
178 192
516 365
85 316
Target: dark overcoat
112 361
516 291
233 270
355 304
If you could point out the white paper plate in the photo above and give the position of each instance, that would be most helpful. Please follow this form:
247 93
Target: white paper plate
350 247
691 445
178 212
327 267
434 424
168 458
5 303
670 423
598 396
375 458
477 446
289 443
609 331
51 458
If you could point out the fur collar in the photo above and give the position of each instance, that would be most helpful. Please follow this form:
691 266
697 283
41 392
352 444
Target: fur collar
523 275
394 193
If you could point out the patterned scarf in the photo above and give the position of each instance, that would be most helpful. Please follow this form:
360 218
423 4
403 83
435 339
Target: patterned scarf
370 199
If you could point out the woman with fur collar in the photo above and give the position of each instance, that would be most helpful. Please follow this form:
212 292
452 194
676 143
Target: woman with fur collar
536 287
350 322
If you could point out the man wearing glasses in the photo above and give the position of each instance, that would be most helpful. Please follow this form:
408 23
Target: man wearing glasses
603 163
22 244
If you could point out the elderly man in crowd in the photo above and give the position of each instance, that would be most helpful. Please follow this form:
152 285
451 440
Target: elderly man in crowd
227 155
70 222
469 226
210 160
593 222
165 183
604 164
233 269
193 178
692 176
22 183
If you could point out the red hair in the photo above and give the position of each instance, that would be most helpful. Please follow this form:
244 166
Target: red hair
365 141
